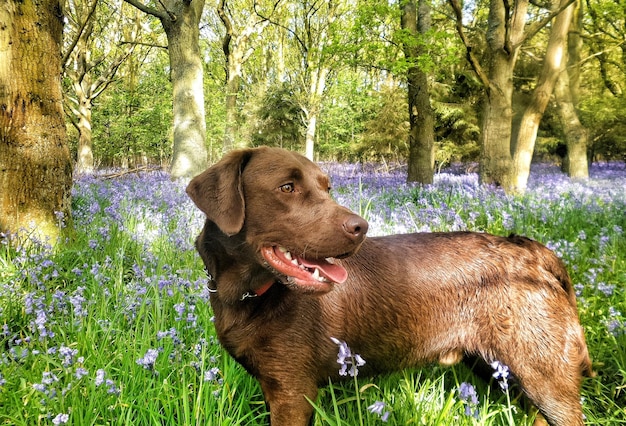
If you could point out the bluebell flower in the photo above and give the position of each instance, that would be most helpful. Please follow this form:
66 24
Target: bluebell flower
49 378
346 359
467 394
212 374
77 299
60 419
100 375
378 407
67 355
149 359
180 310
501 374
111 388
80 373
606 289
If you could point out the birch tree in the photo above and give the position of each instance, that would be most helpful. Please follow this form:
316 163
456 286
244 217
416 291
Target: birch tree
310 25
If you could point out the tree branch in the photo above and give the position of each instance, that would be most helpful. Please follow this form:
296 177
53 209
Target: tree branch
279 25
152 11
471 58
79 33
221 12
537 26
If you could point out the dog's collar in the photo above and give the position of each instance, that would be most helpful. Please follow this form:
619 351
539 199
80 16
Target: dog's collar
212 287
259 292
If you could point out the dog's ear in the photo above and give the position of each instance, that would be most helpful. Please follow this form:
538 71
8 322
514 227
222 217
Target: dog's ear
218 191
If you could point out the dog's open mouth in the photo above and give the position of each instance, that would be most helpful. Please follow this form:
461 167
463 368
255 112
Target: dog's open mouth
304 272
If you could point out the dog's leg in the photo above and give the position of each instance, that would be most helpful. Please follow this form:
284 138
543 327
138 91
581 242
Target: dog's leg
554 388
288 404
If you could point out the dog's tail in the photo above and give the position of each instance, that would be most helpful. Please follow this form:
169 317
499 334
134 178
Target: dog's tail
555 267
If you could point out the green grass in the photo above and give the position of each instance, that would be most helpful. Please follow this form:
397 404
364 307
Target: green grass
77 318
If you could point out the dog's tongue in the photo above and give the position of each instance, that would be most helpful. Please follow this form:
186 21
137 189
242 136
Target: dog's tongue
334 273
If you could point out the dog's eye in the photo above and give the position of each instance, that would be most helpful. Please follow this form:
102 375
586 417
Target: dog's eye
288 187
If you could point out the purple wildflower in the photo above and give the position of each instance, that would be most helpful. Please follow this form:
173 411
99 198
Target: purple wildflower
180 310
49 378
80 373
100 375
212 374
67 355
468 395
346 359
501 374
60 419
606 289
111 388
378 407
78 300
148 360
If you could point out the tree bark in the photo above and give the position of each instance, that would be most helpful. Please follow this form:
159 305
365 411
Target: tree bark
505 34
316 92
504 37
237 51
575 161
421 161
35 164
556 53
90 72
181 22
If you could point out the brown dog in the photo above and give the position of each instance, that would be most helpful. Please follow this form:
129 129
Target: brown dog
289 269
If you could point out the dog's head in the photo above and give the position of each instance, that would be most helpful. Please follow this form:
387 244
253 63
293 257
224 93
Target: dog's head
279 203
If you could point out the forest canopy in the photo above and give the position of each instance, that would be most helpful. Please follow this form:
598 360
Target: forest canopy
363 107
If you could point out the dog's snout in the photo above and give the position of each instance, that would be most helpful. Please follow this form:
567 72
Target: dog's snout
355 226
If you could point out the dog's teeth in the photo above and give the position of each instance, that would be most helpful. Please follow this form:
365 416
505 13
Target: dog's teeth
283 249
288 255
316 274
294 261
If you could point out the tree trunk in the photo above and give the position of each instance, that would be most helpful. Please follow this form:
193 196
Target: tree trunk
90 71
495 138
556 53
421 162
84 160
35 164
504 37
575 163
235 46
232 90
315 95
181 22
190 154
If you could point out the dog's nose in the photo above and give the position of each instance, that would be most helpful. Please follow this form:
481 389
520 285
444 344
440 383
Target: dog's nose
355 226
